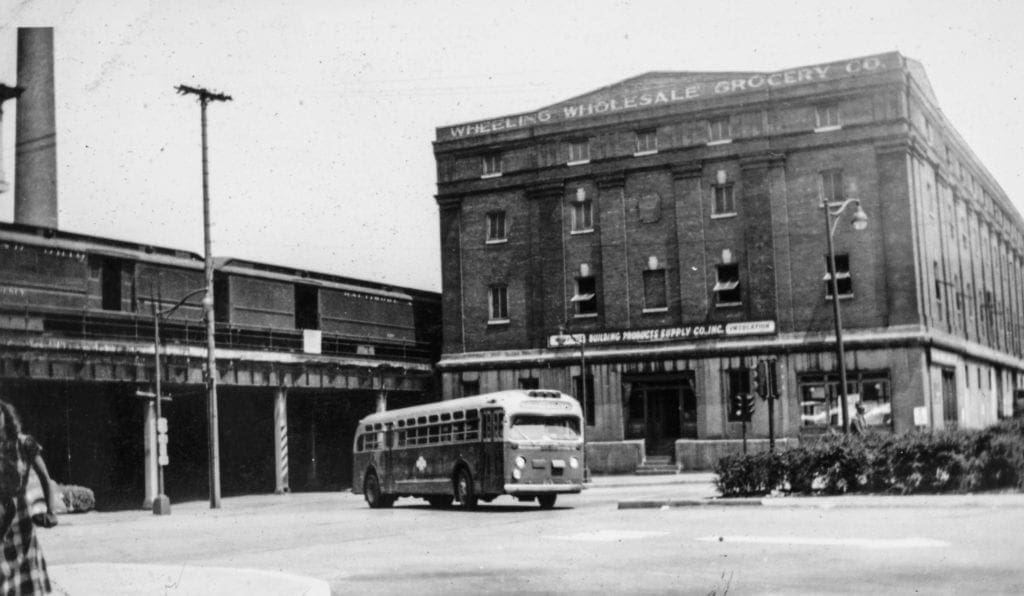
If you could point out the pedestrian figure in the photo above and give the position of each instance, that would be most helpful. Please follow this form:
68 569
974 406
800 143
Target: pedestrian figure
22 569
859 425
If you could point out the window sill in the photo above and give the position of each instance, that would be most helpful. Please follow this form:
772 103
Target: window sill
723 215
719 142
660 309
578 162
828 297
498 322
728 304
498 241
829 128
494 175
586 315
576 232
645 152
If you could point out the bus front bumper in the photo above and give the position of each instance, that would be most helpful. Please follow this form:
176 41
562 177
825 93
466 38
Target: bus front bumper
541 489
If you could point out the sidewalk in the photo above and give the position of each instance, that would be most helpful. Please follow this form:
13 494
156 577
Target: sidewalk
113 579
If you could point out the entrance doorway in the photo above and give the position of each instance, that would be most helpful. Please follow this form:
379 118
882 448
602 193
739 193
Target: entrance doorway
662 408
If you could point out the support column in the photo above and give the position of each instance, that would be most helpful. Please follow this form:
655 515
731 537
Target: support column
281 441
149 448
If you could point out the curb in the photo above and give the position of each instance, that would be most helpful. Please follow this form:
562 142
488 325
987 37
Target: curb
126 579
661 504
833 503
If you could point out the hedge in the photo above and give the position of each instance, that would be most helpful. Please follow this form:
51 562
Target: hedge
917 462
77 499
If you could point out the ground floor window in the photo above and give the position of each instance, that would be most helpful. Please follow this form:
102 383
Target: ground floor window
820 398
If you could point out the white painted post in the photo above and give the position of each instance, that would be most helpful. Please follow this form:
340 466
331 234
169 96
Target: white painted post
149 446
281 441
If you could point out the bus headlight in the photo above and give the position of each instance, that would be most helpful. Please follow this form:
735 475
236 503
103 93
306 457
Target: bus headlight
574 463
520 462
516 474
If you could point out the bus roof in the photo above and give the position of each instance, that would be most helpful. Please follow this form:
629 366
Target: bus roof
508 398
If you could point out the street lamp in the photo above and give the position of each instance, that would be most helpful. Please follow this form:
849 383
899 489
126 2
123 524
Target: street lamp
162 504
562 340
832 211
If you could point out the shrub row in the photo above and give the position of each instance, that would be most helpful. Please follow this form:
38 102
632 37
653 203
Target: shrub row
917 462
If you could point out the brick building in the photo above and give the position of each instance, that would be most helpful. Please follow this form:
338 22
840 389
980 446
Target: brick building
647 244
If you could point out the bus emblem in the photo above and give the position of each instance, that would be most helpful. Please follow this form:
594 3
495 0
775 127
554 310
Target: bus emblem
421 464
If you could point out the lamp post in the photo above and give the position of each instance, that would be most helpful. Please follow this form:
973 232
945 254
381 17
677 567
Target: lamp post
832 211
161 504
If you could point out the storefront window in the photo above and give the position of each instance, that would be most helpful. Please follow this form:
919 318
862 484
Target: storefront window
820 402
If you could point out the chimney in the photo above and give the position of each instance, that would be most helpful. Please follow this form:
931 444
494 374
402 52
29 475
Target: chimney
35 155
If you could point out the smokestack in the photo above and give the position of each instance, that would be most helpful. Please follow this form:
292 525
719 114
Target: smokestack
35 155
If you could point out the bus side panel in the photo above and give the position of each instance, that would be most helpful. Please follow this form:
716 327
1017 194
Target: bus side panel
430 469
359 465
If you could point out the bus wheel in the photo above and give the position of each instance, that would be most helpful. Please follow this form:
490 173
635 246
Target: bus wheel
464 489
441 501
546 501
374 497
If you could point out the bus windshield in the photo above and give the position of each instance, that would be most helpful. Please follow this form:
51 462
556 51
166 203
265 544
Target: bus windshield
544 428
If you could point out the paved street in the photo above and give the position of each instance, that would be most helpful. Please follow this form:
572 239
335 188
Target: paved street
587 544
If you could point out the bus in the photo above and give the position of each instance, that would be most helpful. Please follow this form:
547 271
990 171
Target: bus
523 443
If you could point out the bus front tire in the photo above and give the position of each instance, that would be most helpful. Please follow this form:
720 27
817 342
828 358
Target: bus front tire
546 501
464 492
375 498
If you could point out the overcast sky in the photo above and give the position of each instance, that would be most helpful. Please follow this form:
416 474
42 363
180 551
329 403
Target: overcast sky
323 160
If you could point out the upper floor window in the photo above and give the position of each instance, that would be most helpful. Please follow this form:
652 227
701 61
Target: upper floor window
844 283
727 285
491 165
832 185
582 216
655 294
497 228
646 142
719 130
497 304
529 383
585 298
579 151
826 117
724 202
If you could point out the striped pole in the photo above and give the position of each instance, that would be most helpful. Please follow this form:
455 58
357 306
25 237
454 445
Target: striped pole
281 440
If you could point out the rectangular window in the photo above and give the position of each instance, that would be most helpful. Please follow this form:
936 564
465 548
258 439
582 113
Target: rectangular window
579 151
586 399
583 216
936 273
529 383
470 388
737 383
585 298
827 117
727 286
497 307
491 165
832 185
497 230
719 130
655 295
646 142
724 203
844 283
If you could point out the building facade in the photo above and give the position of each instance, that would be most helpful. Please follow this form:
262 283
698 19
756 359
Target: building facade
646 245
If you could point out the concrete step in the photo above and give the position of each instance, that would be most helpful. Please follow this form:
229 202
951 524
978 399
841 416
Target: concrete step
656 470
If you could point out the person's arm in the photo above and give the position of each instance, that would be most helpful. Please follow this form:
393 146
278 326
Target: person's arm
44 480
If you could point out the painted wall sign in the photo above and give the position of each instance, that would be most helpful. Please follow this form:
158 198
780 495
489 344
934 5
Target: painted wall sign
662 334
664 89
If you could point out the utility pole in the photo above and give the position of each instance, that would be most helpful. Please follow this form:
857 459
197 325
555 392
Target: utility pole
205 97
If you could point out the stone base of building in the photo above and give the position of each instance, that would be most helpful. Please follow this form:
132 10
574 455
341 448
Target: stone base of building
701 455
615 457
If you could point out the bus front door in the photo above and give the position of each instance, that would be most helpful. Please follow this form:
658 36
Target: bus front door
490 471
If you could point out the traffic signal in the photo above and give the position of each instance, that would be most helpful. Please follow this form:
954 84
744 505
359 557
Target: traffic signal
742 406
761 381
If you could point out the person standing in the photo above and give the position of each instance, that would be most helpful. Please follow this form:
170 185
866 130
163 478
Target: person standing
22 568
859 425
